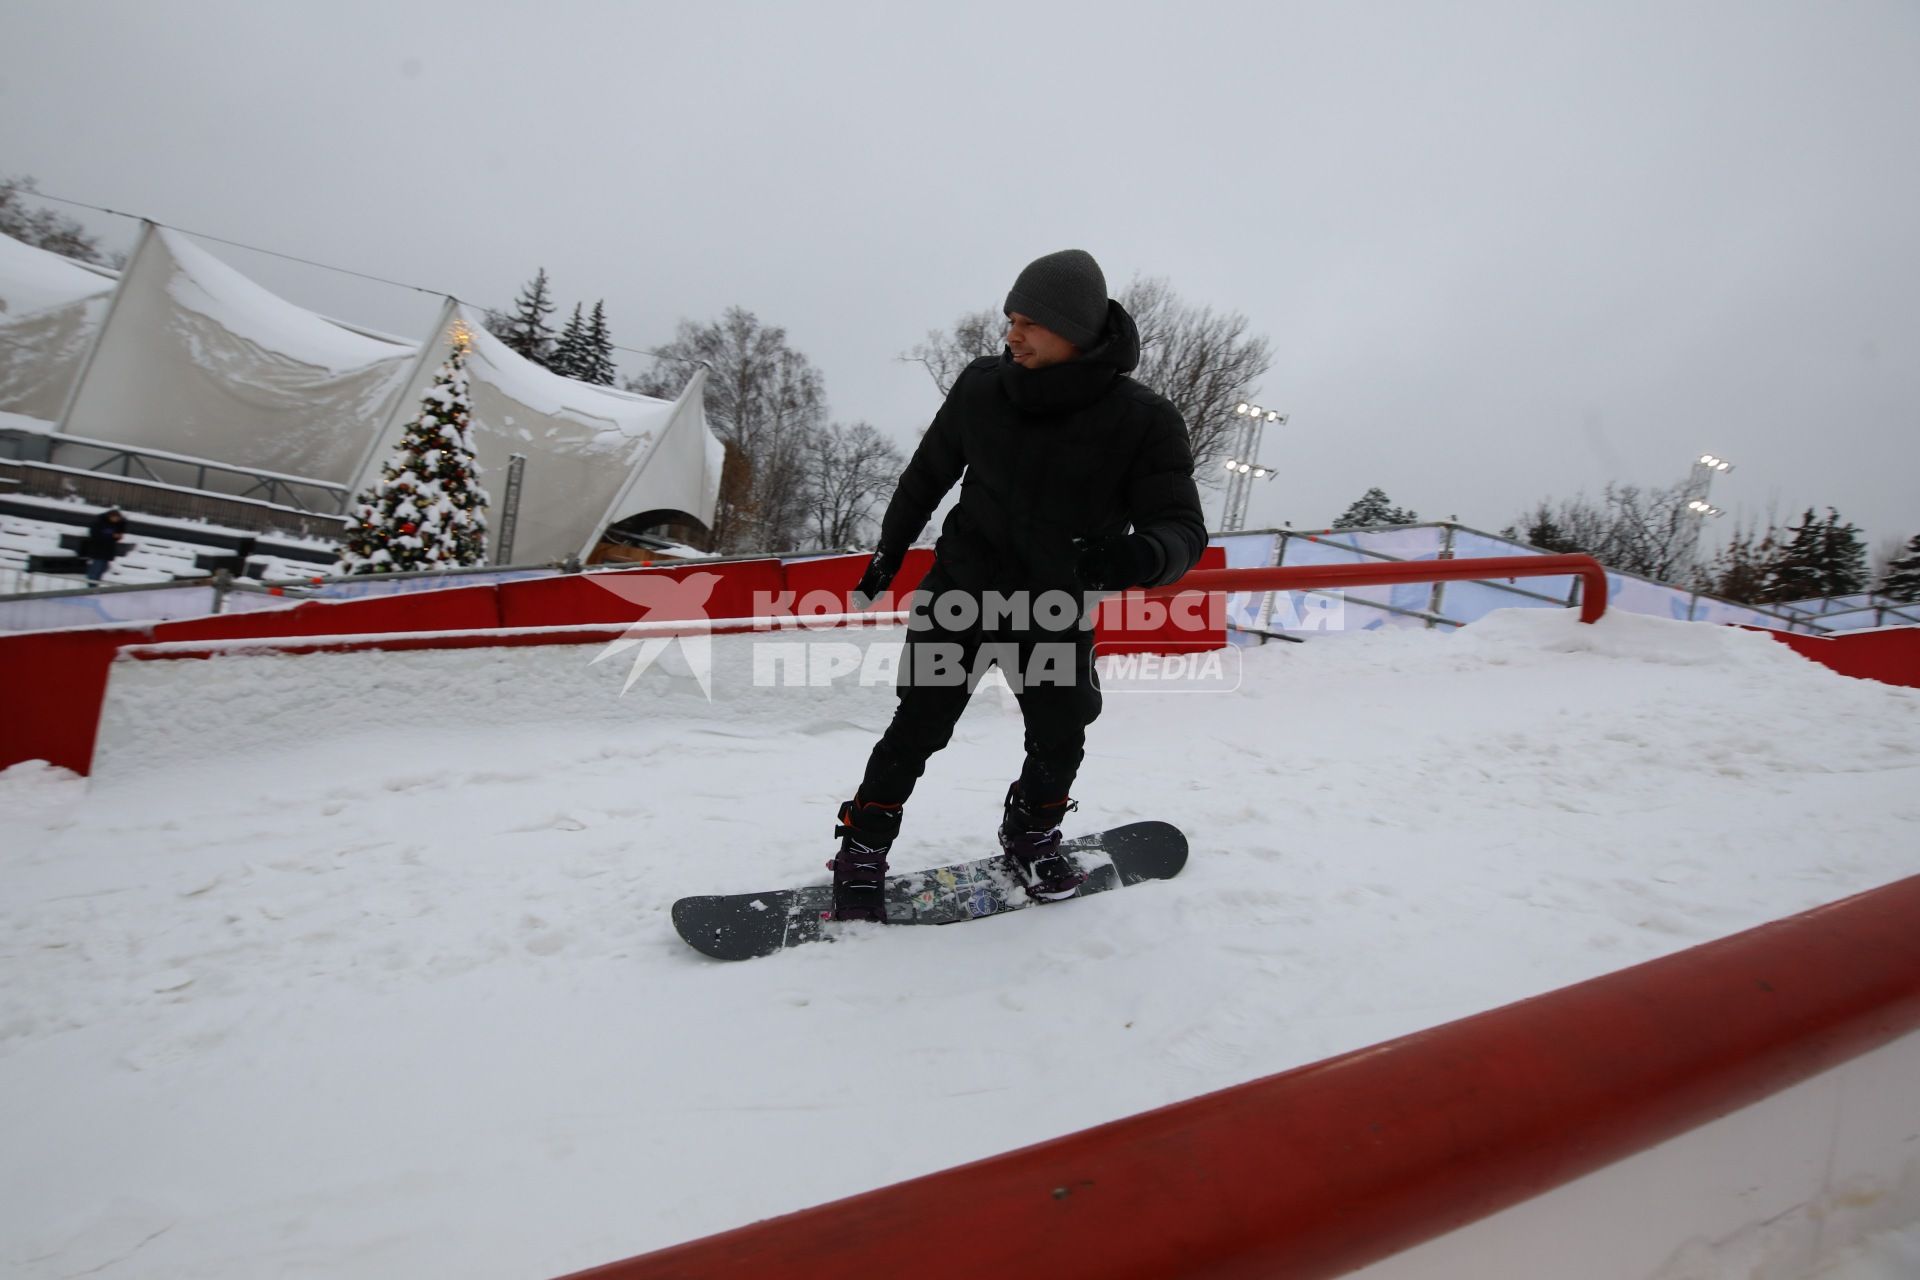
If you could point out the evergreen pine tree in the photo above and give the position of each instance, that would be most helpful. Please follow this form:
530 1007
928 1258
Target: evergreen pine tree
1543 529
1793 573
1374 508
569 356
1823 558
597 358
527 330
1742 569
427 510
1843 557
1903 574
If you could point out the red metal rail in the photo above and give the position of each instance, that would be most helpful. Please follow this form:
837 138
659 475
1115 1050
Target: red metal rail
1593 578
1320 1170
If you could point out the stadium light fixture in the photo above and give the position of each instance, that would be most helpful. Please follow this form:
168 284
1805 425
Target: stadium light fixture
1242 470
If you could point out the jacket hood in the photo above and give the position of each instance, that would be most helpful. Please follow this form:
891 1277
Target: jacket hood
1119 343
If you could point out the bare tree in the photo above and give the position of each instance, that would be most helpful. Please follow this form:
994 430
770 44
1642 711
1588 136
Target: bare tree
1203 361
850 471
944 354
43 228
764 400
1645 531
1653 532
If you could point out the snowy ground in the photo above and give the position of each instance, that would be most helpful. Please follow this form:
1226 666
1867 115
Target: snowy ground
408 1002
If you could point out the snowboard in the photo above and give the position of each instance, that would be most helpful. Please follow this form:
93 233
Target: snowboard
743 926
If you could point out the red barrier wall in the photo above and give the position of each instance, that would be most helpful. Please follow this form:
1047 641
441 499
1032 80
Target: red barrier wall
839 575
1891 655
1321 1170
457 609
54 685
630 596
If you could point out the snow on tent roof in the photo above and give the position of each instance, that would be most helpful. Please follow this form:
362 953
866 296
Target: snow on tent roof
615 421
33 280
196 359
50 308
210 287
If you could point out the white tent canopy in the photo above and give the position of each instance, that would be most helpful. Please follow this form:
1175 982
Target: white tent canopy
187 357
196 359
50 309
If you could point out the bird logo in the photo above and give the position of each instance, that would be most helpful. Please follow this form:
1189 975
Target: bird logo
674 618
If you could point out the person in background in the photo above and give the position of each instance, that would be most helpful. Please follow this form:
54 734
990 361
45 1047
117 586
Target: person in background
102 543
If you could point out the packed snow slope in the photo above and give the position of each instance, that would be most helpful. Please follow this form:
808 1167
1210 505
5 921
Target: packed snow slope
404 998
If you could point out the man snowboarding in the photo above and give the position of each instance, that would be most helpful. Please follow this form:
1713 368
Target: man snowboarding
1057 452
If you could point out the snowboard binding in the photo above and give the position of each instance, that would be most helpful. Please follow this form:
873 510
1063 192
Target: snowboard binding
866 832
1030 839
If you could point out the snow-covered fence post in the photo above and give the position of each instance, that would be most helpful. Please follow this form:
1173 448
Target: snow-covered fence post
1437 597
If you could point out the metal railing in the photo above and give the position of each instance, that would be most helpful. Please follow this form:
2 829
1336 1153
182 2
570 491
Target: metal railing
1881 610
17 612
1433 615
1591 574
147 497
300 493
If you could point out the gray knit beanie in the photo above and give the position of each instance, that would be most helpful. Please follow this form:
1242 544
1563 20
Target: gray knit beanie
1067 293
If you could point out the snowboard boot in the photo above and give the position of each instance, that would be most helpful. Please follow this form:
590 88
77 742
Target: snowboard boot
866 832
1030 837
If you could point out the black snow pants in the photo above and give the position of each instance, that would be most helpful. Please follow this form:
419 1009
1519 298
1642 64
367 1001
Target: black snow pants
949 647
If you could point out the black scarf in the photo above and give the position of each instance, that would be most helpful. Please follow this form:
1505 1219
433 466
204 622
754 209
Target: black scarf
1077 383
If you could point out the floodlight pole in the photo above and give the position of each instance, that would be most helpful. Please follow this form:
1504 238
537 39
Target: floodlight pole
1699 485
1242 469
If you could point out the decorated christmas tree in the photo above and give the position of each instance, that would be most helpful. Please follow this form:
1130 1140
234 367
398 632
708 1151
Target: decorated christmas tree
427 510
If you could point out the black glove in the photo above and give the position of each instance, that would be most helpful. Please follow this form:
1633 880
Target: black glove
1116 561
881 571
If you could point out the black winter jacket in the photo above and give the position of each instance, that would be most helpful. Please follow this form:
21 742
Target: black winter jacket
102 540
1066 451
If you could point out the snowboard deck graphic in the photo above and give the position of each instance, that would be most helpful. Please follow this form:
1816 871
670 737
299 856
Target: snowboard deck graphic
742 926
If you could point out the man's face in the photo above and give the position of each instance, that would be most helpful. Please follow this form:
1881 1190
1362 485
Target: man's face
1035 346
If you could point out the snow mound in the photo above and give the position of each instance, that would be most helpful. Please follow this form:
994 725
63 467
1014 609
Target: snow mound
34 785
1633 637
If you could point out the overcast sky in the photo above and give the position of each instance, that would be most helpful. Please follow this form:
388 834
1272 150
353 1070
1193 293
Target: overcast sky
1503 251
